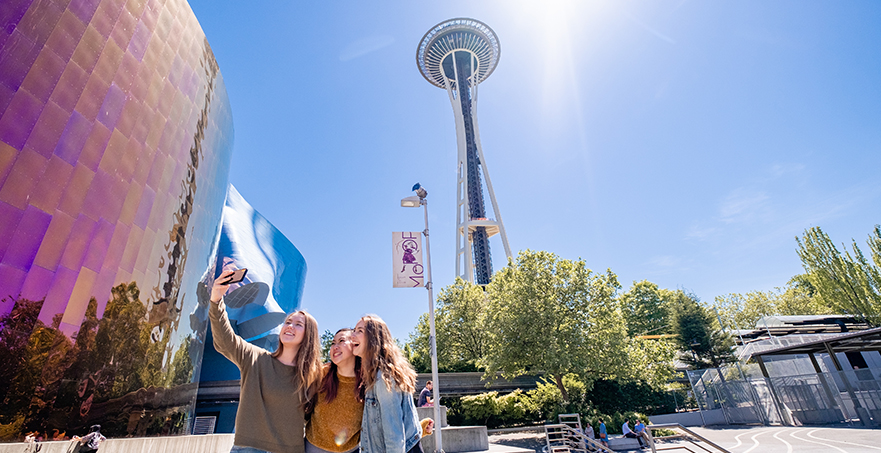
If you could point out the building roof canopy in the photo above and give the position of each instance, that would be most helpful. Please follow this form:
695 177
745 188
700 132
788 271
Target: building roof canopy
862 341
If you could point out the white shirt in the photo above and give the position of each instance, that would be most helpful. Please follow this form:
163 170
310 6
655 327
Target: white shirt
625 428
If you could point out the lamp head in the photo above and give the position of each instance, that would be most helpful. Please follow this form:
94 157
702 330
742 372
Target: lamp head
411 202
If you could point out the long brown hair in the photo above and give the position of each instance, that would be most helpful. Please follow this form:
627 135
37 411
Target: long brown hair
308 362
330 384
383 354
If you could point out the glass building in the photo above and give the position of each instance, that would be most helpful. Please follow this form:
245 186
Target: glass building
115 143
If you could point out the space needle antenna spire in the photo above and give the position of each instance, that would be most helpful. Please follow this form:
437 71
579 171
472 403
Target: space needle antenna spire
457 55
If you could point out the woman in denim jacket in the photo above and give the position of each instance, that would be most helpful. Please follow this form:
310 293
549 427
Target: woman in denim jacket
390 423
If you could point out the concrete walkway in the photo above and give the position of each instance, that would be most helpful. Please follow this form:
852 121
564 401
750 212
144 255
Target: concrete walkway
780 439
761 439
749 439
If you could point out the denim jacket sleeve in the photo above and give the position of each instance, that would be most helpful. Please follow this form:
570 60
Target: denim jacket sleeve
390 403
390 422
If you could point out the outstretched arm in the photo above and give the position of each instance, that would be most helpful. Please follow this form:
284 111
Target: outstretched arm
232 346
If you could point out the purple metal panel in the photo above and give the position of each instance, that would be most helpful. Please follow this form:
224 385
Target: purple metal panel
26 239
48 129
84 9
73 138
112 106
20 118
36 284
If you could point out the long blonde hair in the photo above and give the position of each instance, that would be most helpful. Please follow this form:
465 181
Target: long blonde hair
308 362
383 354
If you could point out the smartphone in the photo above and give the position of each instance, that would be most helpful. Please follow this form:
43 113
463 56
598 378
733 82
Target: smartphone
237 276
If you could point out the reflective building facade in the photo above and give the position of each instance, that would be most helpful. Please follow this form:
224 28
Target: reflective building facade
115 142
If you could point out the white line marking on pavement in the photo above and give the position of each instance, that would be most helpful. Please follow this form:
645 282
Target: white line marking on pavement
792 434
737 438
811 435
788 445
755 444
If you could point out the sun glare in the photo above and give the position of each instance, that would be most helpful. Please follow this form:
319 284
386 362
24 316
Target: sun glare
559 36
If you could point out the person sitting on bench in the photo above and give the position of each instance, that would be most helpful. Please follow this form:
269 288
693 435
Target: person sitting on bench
625 428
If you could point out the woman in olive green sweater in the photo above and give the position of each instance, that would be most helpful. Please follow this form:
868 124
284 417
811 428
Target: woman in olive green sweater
277 388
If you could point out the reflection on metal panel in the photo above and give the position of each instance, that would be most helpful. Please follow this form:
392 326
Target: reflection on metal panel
272 287
248 240
115 142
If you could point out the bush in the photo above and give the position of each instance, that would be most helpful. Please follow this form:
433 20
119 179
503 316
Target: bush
517 408
480 409
453 404
609 400
549 401
613 421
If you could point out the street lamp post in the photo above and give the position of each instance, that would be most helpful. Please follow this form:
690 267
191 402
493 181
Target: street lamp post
415 202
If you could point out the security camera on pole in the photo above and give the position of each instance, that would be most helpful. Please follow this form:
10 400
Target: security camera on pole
408 273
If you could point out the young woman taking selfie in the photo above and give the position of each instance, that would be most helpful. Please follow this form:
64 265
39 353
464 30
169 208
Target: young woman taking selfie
277 388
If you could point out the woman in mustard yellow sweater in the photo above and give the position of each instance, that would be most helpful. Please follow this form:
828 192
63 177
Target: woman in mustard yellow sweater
335 425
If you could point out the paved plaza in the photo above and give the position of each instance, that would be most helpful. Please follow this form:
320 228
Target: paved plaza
753 439
774 439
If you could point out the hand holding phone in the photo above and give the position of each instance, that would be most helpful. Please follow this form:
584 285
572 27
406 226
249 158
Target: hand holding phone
221 285
237 276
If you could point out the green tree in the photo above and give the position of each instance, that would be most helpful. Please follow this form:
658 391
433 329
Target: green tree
16 329
326 341
417 349
848 282
182 365
799 297
743 311
552 315
698 334
460 323
645 309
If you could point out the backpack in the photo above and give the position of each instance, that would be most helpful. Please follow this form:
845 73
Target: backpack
92 441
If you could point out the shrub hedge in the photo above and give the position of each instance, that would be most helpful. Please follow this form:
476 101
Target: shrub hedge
610 400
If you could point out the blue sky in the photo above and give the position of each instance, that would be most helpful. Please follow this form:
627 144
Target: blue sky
683 142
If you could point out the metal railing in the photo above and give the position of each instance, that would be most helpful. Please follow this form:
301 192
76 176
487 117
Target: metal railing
563 438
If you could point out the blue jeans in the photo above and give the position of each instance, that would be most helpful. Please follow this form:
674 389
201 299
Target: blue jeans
238 449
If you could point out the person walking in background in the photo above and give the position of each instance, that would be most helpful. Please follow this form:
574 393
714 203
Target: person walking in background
425 396
90 442
604 436
278 388
335 424
390 423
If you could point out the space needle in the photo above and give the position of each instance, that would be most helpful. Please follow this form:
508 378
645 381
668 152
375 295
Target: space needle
457 55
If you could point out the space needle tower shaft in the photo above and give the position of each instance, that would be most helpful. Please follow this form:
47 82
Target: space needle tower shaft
457 55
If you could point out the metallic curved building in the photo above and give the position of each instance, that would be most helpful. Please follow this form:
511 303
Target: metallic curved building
115 144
